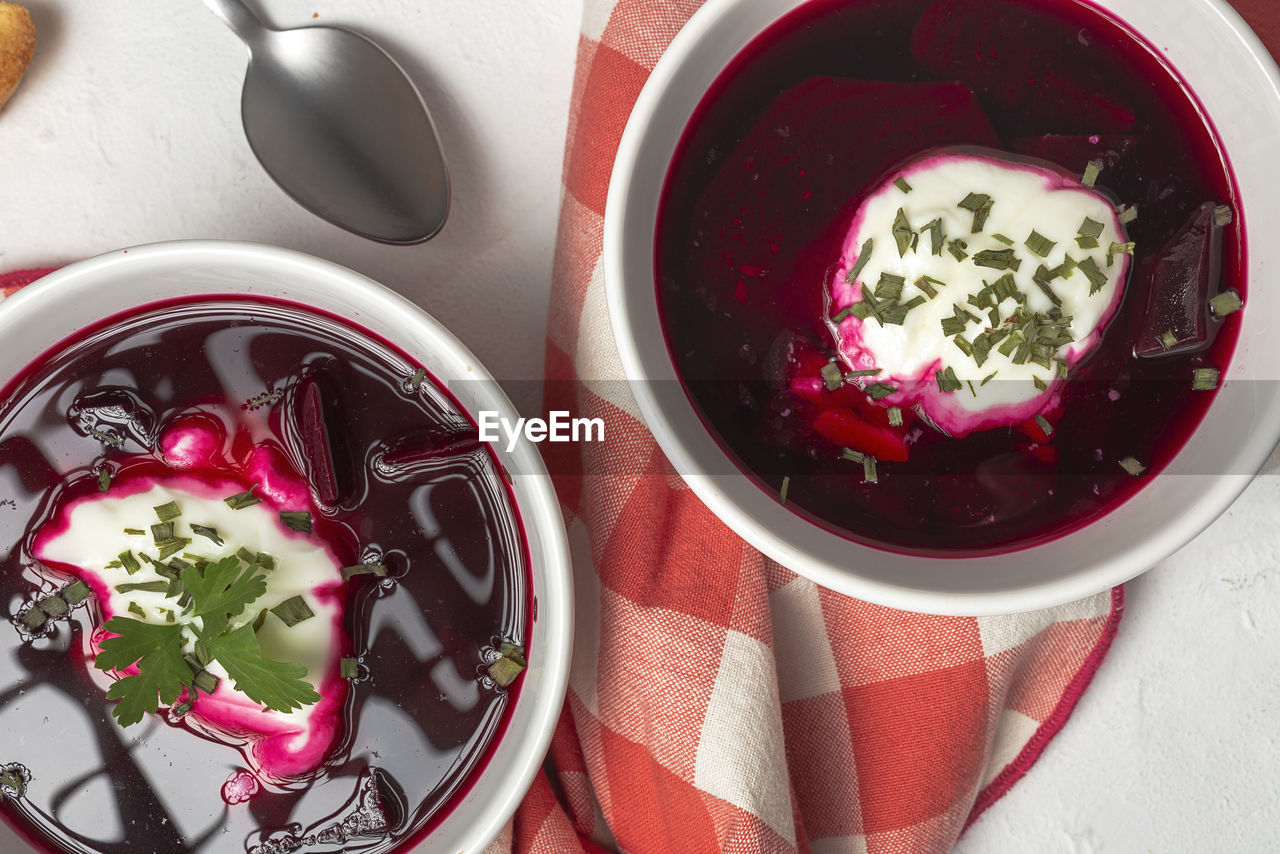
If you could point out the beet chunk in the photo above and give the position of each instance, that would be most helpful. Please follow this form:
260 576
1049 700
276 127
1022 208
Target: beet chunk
1184 277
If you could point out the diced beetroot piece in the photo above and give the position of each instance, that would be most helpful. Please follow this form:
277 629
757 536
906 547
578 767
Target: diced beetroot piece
842 427
1184 277
1061 105
1073 153
313 433
982 43
818 148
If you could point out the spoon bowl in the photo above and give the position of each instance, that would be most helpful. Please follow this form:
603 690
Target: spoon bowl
340 127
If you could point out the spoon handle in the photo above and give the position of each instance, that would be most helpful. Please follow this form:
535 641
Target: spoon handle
240 18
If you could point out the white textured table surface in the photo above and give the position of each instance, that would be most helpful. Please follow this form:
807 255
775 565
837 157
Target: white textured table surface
127 131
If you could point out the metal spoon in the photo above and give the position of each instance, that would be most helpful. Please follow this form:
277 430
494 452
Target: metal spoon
340 127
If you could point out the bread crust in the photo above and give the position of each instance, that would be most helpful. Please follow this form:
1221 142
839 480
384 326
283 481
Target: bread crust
17 46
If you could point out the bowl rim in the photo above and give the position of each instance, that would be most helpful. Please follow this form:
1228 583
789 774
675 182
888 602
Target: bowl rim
700 459
512 764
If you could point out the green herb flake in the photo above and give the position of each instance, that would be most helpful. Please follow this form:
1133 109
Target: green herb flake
349 572
953 325
167 613
958 249
55 606
1085 242
241 500
852 455
299 521
926 285
847 311
348 668
1167 340
266 561
1091 173
1127 214
901 184
104 479
963 345
210 534
869 372
937 240
980 205
106 438
168 512
1041 280
1043 423
205 681
1205 379
997 259
832 377
947 380
75 592
1097 278
1132 466
869 470
292 611
13 782
415 382
129 562
1000 238
135 608
1091 228
135 532
782 493
1039 244
1226 303
903 234
169 548
162 532
143 586
34 619
1039 383
895 416
878 391
1223 216
988 378
1122 248
509 665
864 257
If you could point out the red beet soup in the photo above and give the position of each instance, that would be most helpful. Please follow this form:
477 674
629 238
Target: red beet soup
352 455
824 108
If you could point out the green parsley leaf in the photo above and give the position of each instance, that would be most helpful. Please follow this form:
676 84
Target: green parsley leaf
278 685
222 591
157 650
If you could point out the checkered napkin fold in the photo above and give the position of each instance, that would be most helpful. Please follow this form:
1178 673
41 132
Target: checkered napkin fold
717 701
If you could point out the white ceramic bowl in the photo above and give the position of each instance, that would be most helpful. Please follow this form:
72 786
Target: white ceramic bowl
81 294
1239 85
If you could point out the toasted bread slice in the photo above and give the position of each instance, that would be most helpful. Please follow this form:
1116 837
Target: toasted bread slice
17 45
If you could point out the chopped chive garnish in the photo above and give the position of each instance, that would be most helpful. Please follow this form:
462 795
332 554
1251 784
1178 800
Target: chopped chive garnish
1223 216
34 619
169 548
1041 280
980 204
75 592
1168 340
847 311
143 586
168 512
1091 173
936 239
973 391
349 572
241 500
299 521
901 184
55 606
864 257
104 479
205 681
129 562
1132 466
782 494
1227 302
869 470
135 608
13 783
832 376
869 372
1086 242
415 382
1097 278
1007 241
1205 379
1039 244
162 532
113 441
953 325
880 390
266 561
348 668
505 670
168 614
963 345
1091 228
852 455
947 380
895 416
988 378
1039 383
1122 248
208 533
135 532
997 259
293 611
926 284
1044 424
263 399
1127 214
958 249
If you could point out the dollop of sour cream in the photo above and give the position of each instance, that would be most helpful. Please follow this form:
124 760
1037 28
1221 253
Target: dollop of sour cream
969 285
